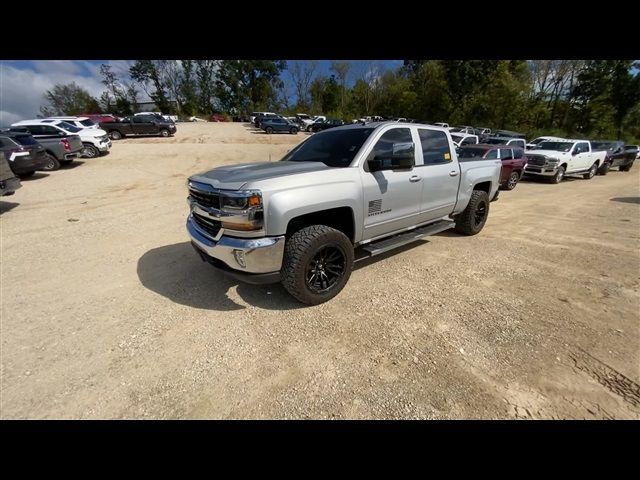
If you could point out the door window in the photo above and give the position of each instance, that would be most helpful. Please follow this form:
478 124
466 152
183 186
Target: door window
435 147
390 140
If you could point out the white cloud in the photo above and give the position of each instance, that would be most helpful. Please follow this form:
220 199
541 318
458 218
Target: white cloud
22 87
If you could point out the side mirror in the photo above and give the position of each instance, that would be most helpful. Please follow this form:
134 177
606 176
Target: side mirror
402 155
575 152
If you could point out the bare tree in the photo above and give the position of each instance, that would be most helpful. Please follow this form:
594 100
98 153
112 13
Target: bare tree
341 69
302 74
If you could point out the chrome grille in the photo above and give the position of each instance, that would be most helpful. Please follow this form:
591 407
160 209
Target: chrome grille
208 200
209 225
536 160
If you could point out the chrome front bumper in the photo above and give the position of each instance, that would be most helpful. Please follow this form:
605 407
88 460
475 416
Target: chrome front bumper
259 255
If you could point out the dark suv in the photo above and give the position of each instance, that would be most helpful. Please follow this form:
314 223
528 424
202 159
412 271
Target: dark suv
24 153
513 160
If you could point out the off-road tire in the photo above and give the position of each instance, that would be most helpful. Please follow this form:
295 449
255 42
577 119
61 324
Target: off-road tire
300 250
472 219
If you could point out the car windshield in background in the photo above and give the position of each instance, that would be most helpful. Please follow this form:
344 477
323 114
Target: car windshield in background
497 141
603 146
87 123
334 148
536 141
25 140
469 152
68 127
557 146
455 130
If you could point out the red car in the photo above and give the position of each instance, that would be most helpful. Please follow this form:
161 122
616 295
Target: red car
100 117
218 118
513 160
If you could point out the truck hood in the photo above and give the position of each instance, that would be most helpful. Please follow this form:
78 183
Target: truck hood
91 132
547 153
233 177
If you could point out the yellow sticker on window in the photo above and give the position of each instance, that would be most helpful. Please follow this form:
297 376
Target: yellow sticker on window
447 156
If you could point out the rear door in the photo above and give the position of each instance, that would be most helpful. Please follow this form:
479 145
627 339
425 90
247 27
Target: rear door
391 197
142 125
440 175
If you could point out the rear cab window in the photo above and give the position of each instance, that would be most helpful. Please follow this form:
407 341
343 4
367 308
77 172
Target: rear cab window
435 147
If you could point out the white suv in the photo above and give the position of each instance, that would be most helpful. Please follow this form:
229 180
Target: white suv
80 122
94 140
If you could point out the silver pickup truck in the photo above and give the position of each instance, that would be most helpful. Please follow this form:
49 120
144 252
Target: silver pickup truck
341 195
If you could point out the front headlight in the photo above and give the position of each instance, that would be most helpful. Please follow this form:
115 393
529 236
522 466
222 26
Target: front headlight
553 161
243 210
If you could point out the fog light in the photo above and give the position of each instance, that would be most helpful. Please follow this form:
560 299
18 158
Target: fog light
239 256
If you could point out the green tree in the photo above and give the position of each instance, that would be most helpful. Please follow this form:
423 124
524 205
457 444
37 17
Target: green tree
68 99
148 74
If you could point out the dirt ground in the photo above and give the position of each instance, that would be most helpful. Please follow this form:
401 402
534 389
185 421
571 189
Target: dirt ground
107 312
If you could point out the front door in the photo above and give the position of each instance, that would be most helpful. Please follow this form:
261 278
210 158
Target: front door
391 197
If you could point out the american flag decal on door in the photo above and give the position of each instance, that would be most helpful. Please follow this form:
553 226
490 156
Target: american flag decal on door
375 206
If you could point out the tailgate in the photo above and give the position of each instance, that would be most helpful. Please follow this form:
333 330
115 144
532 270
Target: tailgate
75 142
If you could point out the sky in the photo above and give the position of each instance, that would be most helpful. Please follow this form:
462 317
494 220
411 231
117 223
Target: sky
23 83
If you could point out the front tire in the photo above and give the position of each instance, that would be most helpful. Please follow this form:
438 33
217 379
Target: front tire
317 264
115 135
293 131
164 132
90 151
269 130
626 168
51 164
591 173
557 178
472 219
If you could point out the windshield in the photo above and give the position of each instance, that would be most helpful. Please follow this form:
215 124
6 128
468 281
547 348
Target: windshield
604 145
87 123
68 127
334 148
470 152
557 146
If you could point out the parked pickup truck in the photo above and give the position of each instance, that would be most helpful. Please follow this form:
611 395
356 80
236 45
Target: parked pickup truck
60 149
558 158
139 125
366 187
617 156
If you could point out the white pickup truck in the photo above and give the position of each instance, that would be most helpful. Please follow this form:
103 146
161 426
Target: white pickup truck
367 187
557 158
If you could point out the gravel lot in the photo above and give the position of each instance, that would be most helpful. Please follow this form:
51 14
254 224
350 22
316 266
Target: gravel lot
108 313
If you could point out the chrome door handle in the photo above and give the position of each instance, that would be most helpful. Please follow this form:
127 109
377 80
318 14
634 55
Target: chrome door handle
453 173
415 178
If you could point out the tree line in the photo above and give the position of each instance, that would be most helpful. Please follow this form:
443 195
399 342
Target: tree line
596 98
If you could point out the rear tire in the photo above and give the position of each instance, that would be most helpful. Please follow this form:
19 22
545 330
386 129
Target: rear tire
591 173
604 169
51 164
626 168
317 264
512 181
472 219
